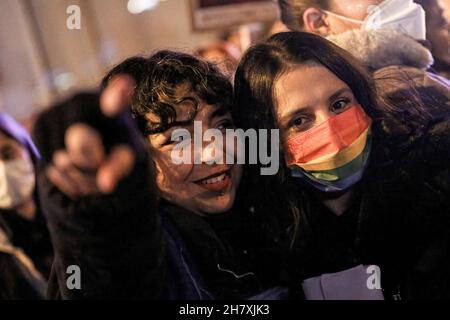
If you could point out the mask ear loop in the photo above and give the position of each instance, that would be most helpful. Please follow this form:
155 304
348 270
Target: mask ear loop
343 18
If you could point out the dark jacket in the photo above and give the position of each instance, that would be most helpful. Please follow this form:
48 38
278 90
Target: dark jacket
18 277
224 254
32 237
128 244
400 220
25 249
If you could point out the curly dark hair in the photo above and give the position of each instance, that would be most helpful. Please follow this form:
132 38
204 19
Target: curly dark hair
157 79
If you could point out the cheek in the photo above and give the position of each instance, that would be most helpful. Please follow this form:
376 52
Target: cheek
286 154
174 176
284 136
339 26
170 175
25 155
441 40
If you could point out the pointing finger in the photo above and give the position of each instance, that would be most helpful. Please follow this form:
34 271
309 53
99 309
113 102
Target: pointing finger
118 165
84 146
117 96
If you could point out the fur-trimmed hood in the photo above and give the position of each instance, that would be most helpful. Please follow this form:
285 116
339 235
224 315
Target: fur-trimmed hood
381 48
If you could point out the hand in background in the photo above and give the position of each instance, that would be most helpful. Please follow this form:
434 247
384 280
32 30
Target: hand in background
83 167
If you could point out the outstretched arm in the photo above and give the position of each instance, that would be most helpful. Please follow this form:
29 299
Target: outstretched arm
96 184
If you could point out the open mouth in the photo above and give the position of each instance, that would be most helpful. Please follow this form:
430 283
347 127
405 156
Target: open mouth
216 182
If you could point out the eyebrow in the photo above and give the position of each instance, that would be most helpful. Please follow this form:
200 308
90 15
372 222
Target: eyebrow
219 111
303 110
188 122
335 95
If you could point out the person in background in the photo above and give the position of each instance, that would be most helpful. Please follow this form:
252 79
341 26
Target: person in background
224 54
384 35
438 34
446 6
25 247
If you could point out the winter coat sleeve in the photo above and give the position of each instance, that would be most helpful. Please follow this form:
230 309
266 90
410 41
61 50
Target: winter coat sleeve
106 246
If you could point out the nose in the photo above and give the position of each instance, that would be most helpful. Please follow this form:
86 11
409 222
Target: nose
213 151
323 115
209 145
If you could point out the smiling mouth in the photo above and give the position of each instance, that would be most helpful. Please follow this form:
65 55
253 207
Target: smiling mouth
217 182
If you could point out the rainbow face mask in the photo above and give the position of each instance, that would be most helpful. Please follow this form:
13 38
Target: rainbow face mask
332 156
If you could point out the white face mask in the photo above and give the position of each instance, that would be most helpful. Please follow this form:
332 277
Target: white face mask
17 182
401 15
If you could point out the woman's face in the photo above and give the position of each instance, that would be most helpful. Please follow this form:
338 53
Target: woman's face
201 188
308 95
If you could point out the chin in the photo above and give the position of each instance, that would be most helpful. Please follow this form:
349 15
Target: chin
217 205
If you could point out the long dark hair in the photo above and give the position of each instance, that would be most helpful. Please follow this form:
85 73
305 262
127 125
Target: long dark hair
157 78
255 101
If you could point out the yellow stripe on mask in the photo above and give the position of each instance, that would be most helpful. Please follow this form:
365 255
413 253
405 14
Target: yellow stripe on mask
333 161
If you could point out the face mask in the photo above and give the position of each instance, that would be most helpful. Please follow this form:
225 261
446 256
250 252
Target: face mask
17 182
401 15
332 156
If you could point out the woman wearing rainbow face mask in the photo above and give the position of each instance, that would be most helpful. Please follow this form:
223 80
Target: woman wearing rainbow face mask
366 181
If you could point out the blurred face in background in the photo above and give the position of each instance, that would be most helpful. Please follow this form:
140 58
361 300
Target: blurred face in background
223 54
17 176
446 6
200 188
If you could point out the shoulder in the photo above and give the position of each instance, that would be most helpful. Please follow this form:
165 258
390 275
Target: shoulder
436 143
377 49
394 80
429 143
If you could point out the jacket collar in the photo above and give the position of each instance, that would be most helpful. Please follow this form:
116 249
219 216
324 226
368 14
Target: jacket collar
381 48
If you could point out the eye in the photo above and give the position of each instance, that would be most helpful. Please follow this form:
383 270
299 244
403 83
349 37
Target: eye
179 138
339 106
226 124
300 123
7 154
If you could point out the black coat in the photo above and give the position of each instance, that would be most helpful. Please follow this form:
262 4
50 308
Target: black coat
32 237
16 280
400 220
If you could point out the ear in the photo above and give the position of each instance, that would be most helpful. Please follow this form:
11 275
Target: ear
315 21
